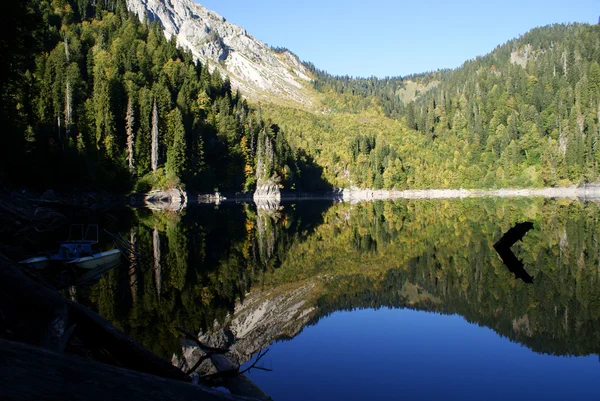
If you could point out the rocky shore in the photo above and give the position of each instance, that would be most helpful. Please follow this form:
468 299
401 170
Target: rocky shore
267 190
269 195
585 192
173 199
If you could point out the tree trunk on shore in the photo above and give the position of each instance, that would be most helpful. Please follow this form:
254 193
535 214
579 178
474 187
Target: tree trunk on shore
237 384
154 139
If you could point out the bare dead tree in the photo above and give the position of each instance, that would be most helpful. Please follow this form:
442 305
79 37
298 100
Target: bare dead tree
68 96
154 141
228 374
130 121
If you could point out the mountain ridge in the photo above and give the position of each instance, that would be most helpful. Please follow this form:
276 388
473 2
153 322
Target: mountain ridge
253 67
101 86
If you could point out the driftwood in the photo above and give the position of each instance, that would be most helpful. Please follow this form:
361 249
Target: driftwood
197 365
234 380
236 383
29 373
254 365
206 348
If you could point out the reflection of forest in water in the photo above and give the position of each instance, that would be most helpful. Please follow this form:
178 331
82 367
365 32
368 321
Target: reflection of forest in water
433 255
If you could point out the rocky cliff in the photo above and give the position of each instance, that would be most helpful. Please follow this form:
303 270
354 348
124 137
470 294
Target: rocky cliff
267 190
253 67
173 199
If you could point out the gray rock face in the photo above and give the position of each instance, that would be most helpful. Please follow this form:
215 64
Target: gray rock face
174 199
267 191
253 67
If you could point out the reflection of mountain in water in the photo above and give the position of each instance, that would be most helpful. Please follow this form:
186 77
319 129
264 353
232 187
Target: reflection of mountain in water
445 250
264 275
196 267
262 318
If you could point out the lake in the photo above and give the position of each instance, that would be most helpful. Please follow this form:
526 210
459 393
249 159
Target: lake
377 300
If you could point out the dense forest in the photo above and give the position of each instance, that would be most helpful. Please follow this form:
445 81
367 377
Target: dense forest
527 114
91 97
426 255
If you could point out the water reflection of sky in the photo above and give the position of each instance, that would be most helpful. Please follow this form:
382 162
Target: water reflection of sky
403 354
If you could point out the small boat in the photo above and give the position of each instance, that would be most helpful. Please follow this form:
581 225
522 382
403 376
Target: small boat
76 252
96 260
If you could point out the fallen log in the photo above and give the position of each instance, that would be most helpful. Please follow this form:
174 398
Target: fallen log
29 373
236 383
233 380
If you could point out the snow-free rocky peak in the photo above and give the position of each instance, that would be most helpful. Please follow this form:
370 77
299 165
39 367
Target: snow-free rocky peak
253 67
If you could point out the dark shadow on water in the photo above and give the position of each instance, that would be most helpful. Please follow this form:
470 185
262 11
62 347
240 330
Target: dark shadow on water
503 246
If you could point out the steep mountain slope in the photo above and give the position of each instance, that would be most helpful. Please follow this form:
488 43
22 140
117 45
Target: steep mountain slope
253 67
104 100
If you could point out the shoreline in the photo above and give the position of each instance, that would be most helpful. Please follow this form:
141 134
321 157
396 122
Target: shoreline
591 192
176 200
585 192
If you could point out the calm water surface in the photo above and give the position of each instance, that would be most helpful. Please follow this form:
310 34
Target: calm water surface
382 300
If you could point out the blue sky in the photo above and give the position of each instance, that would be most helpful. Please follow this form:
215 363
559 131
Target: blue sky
395 37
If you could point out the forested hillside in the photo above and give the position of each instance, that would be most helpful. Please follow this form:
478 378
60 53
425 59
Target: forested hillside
93 98
524 115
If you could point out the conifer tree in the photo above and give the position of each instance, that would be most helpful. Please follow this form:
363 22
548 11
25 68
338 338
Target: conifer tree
177 150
